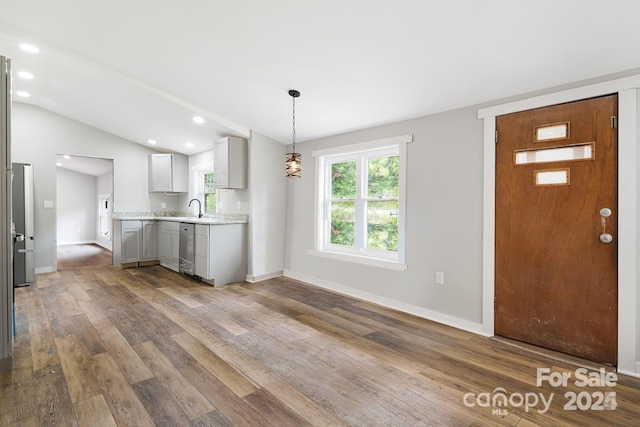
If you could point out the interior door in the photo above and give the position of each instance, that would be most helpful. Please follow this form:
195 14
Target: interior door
556 228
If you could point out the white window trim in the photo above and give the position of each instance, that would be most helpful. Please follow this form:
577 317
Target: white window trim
198 186
319 155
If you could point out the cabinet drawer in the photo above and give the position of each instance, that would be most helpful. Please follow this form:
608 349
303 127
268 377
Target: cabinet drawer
202 245
170 226
202 230
131 224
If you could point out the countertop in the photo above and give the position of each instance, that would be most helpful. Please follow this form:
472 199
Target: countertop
218 219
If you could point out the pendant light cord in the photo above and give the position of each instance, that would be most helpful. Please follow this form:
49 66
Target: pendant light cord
294 123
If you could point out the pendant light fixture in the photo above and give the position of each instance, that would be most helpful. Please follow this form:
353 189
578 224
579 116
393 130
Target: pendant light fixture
294 160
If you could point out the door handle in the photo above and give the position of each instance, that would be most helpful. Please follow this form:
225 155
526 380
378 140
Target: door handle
605 237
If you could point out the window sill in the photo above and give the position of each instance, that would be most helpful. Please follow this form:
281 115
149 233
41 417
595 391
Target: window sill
373 262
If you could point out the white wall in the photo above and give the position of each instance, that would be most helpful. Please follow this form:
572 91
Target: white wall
443 221
76 203
268 198
104 183
39 135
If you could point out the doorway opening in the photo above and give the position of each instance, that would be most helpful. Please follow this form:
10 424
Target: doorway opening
84 189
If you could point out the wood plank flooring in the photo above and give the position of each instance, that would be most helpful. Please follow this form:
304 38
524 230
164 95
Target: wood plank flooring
102 346
74 256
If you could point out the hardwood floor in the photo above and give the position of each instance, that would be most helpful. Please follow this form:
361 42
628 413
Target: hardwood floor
88 255
101 346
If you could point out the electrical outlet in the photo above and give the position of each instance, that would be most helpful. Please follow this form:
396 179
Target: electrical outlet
164 205
439 278
238 205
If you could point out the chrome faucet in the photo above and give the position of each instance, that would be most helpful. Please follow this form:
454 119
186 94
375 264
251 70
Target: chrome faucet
199 206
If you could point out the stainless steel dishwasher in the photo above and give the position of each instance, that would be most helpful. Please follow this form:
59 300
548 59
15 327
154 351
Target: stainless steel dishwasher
187 248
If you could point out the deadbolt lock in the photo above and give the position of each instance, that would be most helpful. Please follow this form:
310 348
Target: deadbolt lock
605 212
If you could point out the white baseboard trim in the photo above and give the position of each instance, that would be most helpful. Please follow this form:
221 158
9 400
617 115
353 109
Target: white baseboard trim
42 270
254 279
104 244
631 374
445 319
78 242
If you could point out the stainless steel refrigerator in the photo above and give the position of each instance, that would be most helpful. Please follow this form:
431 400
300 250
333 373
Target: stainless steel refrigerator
22 209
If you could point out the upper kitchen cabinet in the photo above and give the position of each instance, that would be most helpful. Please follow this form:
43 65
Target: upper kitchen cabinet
168 173
230 163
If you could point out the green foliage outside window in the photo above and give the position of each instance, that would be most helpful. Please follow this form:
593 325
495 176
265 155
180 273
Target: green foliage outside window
343 229
382 177
209 194
381 215
343 180
382 226
343 186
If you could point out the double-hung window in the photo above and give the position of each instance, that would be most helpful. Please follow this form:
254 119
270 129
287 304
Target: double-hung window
208 193
204 188
360 202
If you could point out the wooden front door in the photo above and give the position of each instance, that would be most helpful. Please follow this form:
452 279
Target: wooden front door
556 228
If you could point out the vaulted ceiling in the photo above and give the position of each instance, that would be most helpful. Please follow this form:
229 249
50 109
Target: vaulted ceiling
142 69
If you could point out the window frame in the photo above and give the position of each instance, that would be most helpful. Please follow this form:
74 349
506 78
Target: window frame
361 152
198 186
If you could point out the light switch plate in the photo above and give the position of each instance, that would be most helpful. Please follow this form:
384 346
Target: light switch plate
48 204
439 278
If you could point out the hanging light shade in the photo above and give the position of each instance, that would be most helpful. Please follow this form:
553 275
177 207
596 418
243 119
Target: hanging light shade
293 159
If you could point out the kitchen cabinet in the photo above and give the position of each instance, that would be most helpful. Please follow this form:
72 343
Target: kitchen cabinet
202 252
131 241
149 241
221 253
168 173
230 163
134 242
169 244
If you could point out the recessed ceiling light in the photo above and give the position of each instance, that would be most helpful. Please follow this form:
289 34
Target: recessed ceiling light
66 156
23 94
29 48
198 119
58 164
25 75
189 144
152 141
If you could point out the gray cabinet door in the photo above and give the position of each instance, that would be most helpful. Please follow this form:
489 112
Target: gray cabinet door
130 245
149 240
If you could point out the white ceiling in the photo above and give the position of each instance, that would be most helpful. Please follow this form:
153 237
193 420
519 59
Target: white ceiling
141 69
86 165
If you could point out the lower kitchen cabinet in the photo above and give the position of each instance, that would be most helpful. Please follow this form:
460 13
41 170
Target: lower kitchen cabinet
149 241
220 249
221 253
134 241
169 244
131 234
